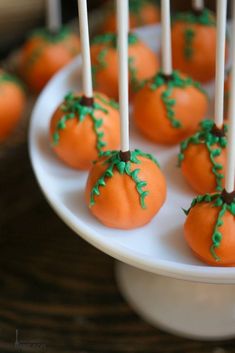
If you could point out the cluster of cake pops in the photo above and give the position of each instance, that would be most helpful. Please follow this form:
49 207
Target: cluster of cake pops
45 52
126 188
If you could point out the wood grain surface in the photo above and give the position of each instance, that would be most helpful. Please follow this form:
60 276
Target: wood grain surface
58 291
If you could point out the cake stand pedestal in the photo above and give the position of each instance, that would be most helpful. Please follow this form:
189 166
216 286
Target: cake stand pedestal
190 309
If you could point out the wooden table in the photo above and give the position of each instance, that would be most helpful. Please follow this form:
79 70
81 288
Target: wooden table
59 291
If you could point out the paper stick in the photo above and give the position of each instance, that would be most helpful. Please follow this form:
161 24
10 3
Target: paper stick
123 24
54 20
220 61
166 37
230 170
198 5
85 49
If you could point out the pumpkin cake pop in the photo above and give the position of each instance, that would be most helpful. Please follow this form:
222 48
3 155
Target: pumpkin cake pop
169 108
142 13
210 227
105 63
202 158
194 44
12 103
79 132
123 191
46 52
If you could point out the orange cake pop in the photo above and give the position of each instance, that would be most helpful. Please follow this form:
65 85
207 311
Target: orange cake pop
168 109
194 44
105 63
203 158
12 103
210 225
210 228
44 53
125 189
142 13
81 129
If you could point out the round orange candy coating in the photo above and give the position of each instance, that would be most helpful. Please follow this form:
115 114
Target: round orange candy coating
106 78
197 167
77 143
41 58
150 113
12 103
149 14
118 205
201 65
198 230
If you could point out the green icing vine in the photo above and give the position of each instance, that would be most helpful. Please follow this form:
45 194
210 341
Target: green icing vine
175 81
206 136
217 201
206 18
6 77
51 37
113 162
136 6
136 84
109 40
73 108
189 35
111 102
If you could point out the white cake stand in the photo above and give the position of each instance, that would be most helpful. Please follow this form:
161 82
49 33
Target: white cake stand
156 271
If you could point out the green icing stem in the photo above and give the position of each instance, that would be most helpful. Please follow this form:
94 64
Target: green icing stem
214 145
206 18
189 35
50 37
136 84
114 162
6 77
217 201
175 81
74 110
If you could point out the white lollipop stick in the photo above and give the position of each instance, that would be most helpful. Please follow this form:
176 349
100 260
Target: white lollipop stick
220 61
54 19
230 170
166 38
123 24
198 5
85 49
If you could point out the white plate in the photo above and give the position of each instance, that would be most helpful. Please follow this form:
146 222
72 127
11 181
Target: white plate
158 247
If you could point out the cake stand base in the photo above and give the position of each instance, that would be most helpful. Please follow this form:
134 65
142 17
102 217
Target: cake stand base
189 309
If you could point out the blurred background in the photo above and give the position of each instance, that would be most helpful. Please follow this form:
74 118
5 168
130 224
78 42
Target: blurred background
24 15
